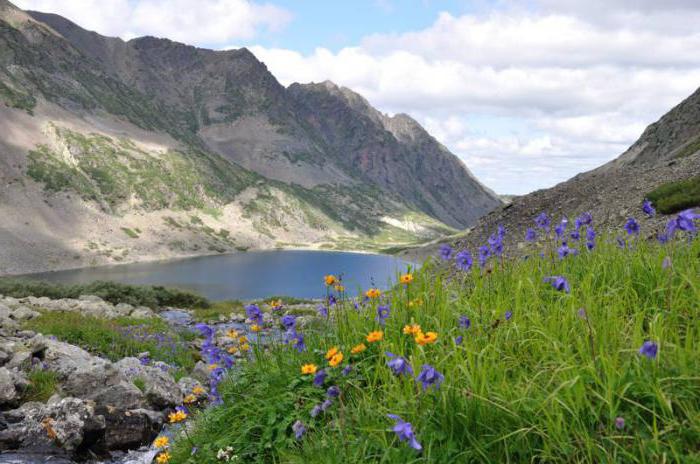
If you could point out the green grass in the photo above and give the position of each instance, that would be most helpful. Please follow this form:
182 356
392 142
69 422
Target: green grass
544 386
42 384
118 338
217 310
131 233
138 295
676 196
689 149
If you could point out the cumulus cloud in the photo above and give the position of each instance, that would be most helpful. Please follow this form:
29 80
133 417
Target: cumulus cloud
198 21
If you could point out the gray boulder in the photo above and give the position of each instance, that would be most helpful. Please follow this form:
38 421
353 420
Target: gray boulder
160 388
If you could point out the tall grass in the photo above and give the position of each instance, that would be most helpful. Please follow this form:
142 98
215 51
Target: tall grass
547 385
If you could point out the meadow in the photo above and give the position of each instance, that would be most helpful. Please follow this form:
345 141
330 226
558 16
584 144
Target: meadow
583 349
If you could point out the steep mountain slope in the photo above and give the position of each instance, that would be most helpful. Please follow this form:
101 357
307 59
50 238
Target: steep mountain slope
114 151
668 151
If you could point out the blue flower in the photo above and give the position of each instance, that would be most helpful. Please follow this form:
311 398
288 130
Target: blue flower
404 431
584 220
632 227
332 300
559 283
459 339
542 221
575 235
399 365
322 311
205 330
298 342
464 322
590 234
508 315
316 410
288 321
320 378
561 228
445 252
484 254
464 260
530 234
429 377
253 313
347 369
564 250
383 312
299 429
333 392
649 349
648 208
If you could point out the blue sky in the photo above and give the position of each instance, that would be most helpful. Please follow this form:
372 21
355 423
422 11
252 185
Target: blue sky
527 93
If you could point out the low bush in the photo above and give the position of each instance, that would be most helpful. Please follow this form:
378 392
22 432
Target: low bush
673 197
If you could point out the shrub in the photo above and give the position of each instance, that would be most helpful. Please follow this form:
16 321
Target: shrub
673 197
138 295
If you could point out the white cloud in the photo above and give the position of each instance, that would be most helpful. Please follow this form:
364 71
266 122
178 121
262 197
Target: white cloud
189 21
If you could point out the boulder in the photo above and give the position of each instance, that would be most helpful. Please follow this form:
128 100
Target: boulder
130 429
187 384
8 393
160 388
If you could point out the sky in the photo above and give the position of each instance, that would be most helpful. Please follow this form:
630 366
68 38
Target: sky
527 93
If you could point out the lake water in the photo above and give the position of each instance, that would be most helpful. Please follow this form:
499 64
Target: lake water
251 275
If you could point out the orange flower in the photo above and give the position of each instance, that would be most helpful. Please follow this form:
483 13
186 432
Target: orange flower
358 348
232 333
212 367
243 339
161 442
309 369
255 328
245 347
339 288
189 399
332 352
330 280
375 336
177 416
232 350
163 458
373 293
198 390
425 338
412 329
336 359
406 279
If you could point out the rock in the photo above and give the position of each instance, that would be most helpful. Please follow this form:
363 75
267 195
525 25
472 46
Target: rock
142 312
4 356
91 298
8 393
187 384
160 388
200 372
130 429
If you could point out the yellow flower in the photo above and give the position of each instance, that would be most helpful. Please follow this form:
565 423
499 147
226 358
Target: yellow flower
375 336
275 304
189 399
309 369
339 288
336 359
163 458
373 293
406 279
255 328
332 352
425 338
416 302
161 442
232 333
245 347
177 416
212 366
198 390
243 340
232 350
330 280
358 348
412 329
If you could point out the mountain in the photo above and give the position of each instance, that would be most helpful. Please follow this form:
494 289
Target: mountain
665 158
115 151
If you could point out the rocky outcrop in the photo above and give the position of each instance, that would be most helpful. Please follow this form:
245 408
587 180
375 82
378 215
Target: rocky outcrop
22 309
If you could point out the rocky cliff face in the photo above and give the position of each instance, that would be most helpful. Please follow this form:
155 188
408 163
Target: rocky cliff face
194 147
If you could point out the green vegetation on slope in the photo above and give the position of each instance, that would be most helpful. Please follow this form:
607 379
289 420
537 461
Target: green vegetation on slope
676 196
560 380
42 384
137 295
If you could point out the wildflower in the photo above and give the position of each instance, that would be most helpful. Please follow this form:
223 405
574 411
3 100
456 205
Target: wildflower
382 313
662 238
243 339
326 404
375 336
161 442
335 360
373 293
298 342
496 244
564 250
575 235
404 431
398 364
584 219
429 377
212 367
198 390
426 338
298 429
333 392
649 349
245 347
347 369
542 221
339 288
561 227
459 339
508 315
685 220
253 313
648 208
163 458
464 260
590 234
275 305
189 399
332 300
411 329
666 263
205 330
315 411
232 333
464 322
177 416
329 279
582 313
255 328
320 377
619 423
632 227
288 321
308 369
530 234
590 245
559 283
406 278
332 352
358 348
416 302
322 311
445 252
484 253
621 243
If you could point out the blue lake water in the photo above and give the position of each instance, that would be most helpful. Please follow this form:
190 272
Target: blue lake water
251 275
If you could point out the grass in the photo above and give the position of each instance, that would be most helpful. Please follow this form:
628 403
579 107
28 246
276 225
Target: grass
545 386
137 295
42 385
217 310
119 338
673 197
130 232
